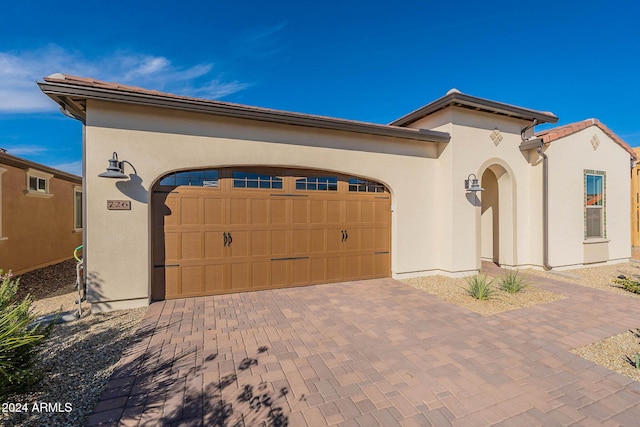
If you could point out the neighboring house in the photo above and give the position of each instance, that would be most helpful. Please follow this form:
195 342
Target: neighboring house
231 198
635 202
40 214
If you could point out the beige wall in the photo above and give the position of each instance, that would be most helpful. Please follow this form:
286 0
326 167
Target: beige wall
568 159
437 227
157 141
472 150
36 231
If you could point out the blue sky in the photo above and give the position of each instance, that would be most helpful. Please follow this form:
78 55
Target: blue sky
370 61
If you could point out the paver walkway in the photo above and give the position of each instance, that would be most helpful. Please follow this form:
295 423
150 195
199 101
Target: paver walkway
371 353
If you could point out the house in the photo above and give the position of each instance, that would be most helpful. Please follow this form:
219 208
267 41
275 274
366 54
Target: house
215 197
635 202
40 214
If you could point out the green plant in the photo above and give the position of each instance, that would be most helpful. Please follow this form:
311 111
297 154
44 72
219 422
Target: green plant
19 339
479 288
627 284
511 283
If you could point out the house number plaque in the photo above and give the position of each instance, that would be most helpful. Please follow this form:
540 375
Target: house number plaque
119 205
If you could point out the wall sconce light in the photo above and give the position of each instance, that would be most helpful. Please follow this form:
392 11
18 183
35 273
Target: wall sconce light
471 184
116 168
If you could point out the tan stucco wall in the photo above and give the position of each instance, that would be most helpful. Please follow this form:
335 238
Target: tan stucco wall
472 150
568 159
157 141
436 225
635 202
39 231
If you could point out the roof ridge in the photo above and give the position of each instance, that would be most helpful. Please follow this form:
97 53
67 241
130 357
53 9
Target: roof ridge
558 132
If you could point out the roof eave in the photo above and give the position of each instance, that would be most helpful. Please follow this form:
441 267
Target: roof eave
480 104
65 94
19 162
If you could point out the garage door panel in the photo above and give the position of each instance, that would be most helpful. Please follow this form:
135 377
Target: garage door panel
382 240
367 211
171 247
300 242
352 243
318 212
191 280
214 278
239 245
299 272
213 211
367 239
191 245
318 270
335 242
260 275
213 244
382 211
352 211
259 211
168 210
278 211
352 267
367 266
279 243
239 276
382 264
171 280
239 211
317 241
300 211
260 243
334 211
278 273
190 211
334 268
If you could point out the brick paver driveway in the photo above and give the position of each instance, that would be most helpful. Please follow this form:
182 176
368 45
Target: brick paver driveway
371 353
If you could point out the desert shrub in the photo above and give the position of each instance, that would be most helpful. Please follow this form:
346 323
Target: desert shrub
627 284
479 288
512 283
19 339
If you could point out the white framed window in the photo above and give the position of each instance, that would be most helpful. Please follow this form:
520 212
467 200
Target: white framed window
594 205
2 238
38 183
77 208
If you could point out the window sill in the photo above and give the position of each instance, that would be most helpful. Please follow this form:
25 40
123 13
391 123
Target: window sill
77 230
595 240
30 193
2 239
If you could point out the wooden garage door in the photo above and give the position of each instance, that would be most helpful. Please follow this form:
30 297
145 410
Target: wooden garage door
234 230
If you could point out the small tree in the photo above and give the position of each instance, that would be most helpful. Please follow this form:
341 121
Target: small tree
19 338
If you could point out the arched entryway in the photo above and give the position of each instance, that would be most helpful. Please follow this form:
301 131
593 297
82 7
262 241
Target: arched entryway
497 217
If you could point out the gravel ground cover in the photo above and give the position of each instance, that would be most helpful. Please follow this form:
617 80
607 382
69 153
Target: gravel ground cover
77 360
453 290
599 277
616 353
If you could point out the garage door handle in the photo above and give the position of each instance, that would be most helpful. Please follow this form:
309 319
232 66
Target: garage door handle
342 231
346 235
226 240
230 239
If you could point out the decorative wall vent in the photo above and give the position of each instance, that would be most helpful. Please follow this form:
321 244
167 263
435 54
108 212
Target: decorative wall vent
496 136
595 141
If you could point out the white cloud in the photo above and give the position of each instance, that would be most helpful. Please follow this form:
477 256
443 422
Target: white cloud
20 70
71 167
25 150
